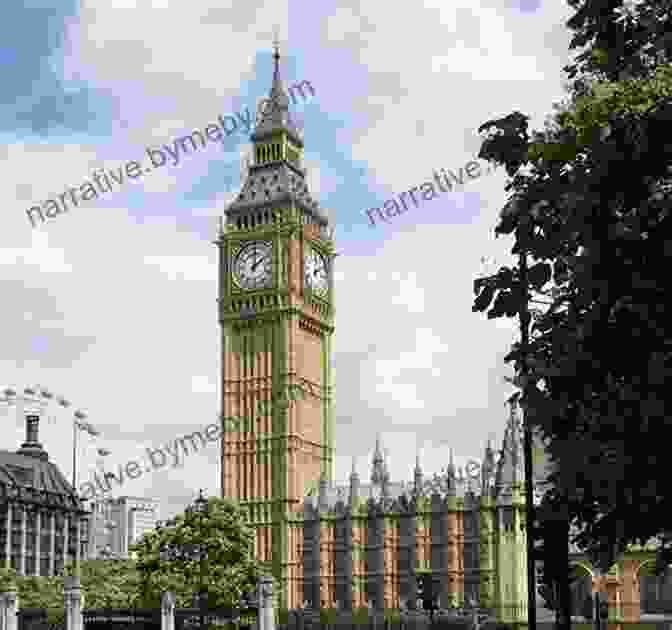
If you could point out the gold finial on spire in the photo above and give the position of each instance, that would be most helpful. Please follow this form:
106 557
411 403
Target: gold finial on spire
276 57
276 43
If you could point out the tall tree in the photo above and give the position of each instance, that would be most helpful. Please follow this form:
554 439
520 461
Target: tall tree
591 206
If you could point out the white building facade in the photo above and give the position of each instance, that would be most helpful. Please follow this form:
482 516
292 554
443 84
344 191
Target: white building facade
117 523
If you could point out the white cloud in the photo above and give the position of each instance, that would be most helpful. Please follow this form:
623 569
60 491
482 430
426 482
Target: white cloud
120 314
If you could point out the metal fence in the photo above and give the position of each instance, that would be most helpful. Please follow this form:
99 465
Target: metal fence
234 618
37 619
122 619
383 625
450 625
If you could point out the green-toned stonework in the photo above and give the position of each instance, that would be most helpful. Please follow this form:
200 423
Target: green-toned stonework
265 319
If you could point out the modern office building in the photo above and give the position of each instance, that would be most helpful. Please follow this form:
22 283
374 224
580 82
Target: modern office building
117 523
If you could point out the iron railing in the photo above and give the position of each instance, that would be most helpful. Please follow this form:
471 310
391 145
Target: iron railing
122 619
37 619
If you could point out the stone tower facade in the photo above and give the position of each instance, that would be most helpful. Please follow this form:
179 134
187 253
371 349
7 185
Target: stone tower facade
276 314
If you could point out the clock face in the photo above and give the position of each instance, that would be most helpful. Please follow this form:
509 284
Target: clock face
253 266
316 276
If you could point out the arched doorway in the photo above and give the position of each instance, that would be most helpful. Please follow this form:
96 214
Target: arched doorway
581 587
655 592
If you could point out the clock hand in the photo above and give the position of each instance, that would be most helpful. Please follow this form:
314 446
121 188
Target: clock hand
255 265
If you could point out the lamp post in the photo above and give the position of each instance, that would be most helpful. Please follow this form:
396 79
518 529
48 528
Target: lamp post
201 508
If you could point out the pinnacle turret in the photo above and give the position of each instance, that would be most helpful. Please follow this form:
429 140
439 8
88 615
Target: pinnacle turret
487 468
385 483
354 483
417 475
378 466
451 466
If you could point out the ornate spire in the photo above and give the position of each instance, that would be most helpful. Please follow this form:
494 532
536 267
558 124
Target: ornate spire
274 112
510 472
276 56
276 178
378 468
386 476
417 475
487 468
276 88
354 482
451 465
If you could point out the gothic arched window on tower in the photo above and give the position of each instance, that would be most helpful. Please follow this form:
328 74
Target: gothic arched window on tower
507 518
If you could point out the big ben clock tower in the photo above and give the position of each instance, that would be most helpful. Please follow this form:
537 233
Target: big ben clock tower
276 311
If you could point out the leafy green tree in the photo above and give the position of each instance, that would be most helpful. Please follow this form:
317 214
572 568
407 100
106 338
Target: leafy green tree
229 569
598 360
591 208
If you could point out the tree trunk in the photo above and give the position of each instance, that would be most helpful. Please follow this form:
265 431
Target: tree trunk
564 590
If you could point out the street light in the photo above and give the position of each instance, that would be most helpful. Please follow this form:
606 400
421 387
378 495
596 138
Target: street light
201 508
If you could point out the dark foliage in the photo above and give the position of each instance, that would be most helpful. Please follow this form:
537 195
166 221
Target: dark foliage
590 210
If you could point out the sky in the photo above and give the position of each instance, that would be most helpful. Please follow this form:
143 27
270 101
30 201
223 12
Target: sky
113 303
